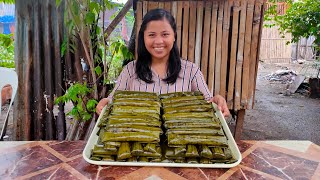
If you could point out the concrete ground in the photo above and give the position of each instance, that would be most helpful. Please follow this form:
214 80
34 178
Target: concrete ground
275 116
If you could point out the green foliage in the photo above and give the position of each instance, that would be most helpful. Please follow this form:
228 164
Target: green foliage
83 20
83 106
7 51
302 19
8 1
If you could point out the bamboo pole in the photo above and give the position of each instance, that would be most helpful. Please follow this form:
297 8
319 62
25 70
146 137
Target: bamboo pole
184 49
239 63
205 40
233 53
197 54
192 30
212 53
218 50
225 48
247 51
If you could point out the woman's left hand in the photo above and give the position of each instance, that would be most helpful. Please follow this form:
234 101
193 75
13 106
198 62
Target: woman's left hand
222 105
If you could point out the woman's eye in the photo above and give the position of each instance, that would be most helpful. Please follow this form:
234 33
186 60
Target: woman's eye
151 35
165 35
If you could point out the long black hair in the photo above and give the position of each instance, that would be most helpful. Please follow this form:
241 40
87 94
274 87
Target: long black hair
143 69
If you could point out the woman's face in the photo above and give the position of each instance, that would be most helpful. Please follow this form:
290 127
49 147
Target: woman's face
159 39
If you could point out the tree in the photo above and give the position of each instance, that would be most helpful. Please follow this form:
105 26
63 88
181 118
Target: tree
302 19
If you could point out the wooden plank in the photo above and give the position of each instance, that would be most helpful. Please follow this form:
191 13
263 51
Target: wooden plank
161 5
239 124
153 5
199 33
206 39
233 53
167 6
254 48
179 25
174 9
218 50
225 48
246 58
185 18
192 30
212 53
138 21
242 28
145 8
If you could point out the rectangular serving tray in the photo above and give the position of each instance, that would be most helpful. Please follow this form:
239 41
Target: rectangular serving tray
232 144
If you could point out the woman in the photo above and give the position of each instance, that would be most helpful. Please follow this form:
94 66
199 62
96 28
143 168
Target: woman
159 67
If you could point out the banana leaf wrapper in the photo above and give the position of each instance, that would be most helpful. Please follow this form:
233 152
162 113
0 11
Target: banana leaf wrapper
192 160
185 109
188 125
174 139
131 136
134 129
136 97
180 94
99 151
134 123
133 159
218 153
124 151
95 158
197 131
169 152
150 147
181 99
135 109
144 103
129 117
151 115
180 151
156 154
137 149
111 148
143 159
228 153
130 125
186 103
140 93
205 161
180 161
193 115
192 151
205 152
155 160
111 143
108 158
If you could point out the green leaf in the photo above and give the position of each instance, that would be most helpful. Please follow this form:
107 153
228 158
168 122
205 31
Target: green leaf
94 7
98 70
86 116
58 2
91 105
90 18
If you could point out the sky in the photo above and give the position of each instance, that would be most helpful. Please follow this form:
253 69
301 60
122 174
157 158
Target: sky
119 1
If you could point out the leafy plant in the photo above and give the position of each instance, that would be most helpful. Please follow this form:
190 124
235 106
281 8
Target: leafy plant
103 56
302 19
7 51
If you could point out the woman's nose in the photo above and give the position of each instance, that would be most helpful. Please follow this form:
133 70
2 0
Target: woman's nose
158 39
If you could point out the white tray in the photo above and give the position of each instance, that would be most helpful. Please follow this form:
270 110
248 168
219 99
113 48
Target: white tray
232 144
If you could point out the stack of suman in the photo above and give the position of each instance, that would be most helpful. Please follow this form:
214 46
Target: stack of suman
130 129
194 133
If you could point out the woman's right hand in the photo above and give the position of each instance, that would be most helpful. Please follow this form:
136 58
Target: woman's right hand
102 103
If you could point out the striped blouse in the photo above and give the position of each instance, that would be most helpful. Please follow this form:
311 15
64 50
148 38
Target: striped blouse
190 79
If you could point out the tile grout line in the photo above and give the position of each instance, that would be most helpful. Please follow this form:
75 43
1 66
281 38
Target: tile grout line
259 172
228 173
316 174
55 153
288 151
30 175
74 172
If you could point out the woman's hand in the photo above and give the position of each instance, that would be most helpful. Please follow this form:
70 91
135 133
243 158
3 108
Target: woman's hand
102 103
222 104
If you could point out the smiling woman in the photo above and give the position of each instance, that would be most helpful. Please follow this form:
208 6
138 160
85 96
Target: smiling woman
159 68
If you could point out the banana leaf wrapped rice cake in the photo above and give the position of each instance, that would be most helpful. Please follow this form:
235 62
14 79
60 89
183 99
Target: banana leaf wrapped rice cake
194 133
130 129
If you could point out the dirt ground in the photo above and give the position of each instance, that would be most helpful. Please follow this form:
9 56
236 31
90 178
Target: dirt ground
275 116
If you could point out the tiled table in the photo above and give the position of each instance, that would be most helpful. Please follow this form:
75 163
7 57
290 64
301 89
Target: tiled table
63 160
